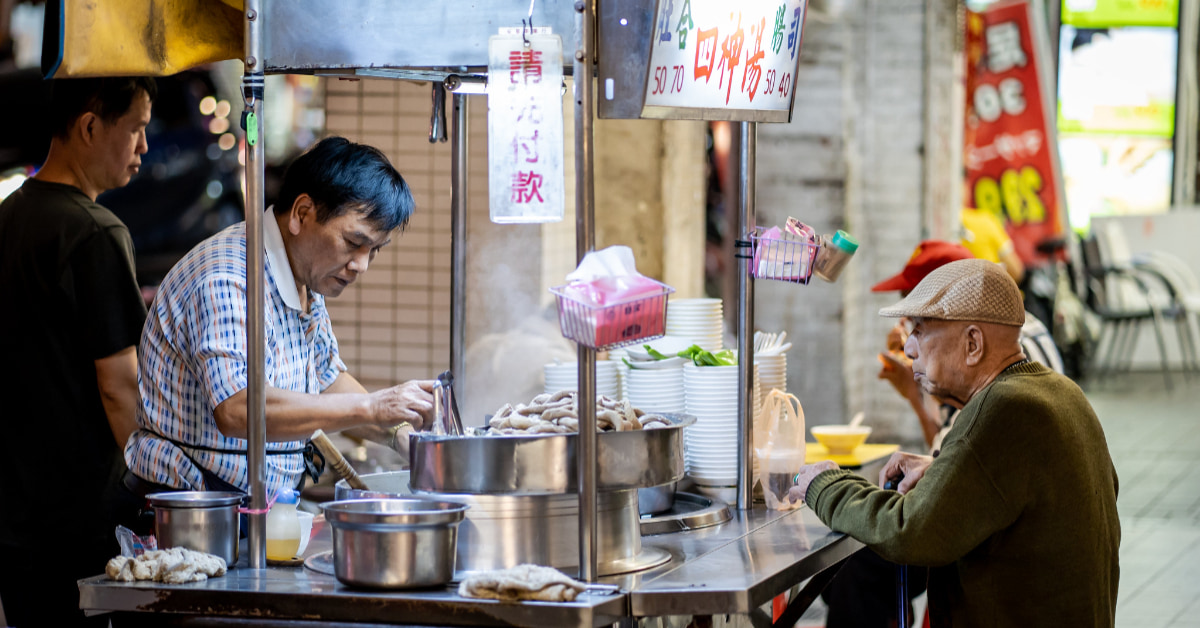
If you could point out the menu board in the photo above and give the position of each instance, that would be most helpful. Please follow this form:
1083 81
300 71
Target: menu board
1009 154
721 60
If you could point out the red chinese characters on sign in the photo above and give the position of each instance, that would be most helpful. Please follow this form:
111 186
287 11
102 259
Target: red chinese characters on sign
1011 167
724 50
706 46
526 187
753 62
731 55
525 65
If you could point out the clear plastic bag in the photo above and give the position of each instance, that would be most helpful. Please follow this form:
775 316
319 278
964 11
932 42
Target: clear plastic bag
780 447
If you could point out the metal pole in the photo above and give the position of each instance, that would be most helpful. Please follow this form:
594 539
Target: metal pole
745 319
1186 104
459 149
585 241
256 407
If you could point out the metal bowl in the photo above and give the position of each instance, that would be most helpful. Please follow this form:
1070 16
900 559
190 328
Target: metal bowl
204 521
544 464
394 543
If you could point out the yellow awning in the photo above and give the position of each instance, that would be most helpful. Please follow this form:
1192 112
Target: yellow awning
140 37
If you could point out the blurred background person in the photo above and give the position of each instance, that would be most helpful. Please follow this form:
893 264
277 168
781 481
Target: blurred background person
69 379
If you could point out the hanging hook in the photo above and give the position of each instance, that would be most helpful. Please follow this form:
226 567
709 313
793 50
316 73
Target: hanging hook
526 30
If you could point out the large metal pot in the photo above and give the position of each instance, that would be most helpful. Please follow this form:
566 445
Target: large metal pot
394 543
204 521
502 531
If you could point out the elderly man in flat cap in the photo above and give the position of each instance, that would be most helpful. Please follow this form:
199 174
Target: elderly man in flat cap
1017 515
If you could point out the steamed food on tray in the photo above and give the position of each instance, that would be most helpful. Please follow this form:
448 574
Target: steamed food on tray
557 413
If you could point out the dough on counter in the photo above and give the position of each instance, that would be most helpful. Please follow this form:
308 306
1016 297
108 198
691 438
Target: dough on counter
173 566
523 582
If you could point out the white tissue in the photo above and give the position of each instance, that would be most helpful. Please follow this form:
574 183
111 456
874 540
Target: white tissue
614 261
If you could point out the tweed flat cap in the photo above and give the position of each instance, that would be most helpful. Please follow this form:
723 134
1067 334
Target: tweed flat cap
966 290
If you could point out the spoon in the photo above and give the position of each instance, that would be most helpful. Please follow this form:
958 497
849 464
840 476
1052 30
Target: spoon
858 419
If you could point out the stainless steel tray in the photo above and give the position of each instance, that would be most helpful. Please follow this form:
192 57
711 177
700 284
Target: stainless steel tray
542 464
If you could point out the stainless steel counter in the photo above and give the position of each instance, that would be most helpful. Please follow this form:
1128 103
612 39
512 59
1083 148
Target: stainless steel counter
736 567
732 568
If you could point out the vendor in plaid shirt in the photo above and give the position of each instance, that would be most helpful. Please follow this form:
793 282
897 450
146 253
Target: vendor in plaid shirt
340 204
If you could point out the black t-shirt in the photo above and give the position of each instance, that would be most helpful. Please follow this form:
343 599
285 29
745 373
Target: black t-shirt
70 297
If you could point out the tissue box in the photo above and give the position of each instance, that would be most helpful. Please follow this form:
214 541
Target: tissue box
604 315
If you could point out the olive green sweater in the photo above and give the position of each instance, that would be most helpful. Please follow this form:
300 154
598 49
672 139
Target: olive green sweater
1017 515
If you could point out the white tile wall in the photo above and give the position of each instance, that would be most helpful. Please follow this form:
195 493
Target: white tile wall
393 324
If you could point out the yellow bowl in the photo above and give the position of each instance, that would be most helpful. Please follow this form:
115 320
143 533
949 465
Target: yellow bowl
840 439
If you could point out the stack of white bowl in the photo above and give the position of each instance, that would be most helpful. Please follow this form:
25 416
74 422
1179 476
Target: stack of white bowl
772 371
710 446
564 376
617 357
657 390
698 320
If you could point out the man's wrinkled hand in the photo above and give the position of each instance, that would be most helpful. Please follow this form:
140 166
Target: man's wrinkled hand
410 402
807 474
911 466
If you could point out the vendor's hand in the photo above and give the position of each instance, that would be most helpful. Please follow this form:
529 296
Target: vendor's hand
807 474
911 466
410 402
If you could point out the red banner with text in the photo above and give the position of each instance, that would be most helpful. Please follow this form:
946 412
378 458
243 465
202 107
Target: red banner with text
1010 154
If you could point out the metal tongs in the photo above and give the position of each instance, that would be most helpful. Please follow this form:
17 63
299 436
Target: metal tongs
446 419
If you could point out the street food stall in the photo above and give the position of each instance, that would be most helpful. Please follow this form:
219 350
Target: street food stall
565 500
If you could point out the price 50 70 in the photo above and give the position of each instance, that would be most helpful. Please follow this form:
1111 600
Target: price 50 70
668 79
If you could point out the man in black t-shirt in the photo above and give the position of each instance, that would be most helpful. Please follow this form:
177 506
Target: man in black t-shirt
69 329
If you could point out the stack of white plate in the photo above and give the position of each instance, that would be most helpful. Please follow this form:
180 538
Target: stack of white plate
697 320
657 390
710 446
564 377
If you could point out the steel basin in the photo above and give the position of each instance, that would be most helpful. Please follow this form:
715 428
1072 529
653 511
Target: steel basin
544 464
204 521
502 531
394 543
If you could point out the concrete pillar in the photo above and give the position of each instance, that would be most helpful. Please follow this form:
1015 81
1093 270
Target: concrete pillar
650 197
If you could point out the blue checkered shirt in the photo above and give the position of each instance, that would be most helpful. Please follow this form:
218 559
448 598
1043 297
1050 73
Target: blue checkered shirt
193 356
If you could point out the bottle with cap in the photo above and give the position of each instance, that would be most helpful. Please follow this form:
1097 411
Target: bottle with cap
283 527
834 254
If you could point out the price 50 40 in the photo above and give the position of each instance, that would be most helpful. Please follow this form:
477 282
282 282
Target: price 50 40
1015 196
668 79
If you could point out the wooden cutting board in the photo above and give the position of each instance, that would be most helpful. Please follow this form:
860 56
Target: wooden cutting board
864 454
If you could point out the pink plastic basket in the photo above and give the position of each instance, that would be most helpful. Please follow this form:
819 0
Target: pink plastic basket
614 324
782 260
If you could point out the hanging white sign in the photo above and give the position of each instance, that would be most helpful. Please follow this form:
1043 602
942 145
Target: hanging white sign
525 128
721 55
